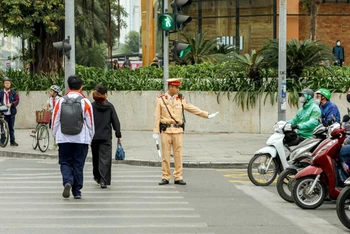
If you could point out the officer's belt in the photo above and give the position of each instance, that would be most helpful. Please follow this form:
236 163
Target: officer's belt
173 125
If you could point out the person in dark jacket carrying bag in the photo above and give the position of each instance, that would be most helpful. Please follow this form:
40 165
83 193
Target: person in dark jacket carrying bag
9 97
105 117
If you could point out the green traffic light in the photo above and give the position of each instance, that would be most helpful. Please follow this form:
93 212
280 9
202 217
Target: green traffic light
166 22
185 51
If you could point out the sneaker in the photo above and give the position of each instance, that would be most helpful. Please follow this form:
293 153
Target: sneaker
66 190
14 143
77 196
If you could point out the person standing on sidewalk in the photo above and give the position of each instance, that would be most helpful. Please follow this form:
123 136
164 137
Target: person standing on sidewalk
105 117
9 97
170 123
73 128
51 103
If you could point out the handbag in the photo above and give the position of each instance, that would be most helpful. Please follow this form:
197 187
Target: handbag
119 153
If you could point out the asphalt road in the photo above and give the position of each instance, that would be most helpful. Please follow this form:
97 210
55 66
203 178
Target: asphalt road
213 201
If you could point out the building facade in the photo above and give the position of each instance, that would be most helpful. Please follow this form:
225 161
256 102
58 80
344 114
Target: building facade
247 24
9 47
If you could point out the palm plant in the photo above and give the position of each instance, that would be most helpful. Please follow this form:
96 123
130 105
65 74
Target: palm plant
300 55
203 50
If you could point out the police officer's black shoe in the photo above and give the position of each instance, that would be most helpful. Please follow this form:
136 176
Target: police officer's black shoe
164 182
180 182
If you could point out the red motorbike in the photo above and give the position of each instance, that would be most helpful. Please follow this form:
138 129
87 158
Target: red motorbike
321 178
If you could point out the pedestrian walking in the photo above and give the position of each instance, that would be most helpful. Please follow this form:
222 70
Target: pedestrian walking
170 123
9 97
73 128
105 118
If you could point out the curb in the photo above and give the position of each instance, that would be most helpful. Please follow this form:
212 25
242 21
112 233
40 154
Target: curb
133 162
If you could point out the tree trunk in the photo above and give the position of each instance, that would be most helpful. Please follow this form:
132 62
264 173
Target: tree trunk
45 57
109 33
314 6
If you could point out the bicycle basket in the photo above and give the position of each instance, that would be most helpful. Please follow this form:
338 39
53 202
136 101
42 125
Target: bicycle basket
3 108
43 116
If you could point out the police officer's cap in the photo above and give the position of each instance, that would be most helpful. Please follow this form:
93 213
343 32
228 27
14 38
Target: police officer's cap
174 81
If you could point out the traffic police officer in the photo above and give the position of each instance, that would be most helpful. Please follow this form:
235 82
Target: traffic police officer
169 122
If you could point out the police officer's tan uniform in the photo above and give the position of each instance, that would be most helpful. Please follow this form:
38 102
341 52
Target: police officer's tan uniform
173 135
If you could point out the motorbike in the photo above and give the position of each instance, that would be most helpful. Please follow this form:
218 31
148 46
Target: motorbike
272 159
300 158
343 204
322 177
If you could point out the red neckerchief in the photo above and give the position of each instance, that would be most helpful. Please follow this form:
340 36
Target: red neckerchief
53 102
7 96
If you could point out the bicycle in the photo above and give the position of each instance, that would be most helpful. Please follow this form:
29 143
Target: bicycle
41 137
4 127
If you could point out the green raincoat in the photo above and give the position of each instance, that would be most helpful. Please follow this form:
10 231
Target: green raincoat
307 119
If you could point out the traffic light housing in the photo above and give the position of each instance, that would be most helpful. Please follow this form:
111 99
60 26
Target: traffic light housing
63 46
173 22
180 20
180 49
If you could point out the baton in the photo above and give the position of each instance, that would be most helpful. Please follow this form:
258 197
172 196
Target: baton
157 144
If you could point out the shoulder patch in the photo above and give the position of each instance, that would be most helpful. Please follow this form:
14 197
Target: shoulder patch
161 95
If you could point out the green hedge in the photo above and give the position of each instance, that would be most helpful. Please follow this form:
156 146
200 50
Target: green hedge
199 77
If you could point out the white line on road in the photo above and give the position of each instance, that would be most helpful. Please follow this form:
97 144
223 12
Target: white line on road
109 226
84 209
85 191
306 221
96 203
119 216
96 197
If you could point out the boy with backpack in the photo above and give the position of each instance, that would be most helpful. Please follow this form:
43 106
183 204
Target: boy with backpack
73 129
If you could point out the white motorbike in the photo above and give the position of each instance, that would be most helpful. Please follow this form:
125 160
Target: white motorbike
272 159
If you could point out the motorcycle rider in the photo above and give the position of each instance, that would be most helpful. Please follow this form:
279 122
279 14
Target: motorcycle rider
328 108
306 119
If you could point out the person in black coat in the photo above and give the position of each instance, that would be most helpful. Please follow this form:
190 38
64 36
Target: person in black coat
105 117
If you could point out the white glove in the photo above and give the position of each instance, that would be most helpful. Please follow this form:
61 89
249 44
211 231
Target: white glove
212 115
155 136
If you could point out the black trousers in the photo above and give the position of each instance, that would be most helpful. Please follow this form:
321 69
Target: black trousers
10 119
72 160
102 160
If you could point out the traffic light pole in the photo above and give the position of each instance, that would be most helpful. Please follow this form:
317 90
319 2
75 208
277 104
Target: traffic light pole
282 62
165 50
69 63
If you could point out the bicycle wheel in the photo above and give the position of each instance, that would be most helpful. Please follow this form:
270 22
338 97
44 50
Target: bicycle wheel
43 138
4 133
35 137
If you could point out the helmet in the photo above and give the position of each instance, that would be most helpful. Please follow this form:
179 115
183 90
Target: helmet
309 93
55 88
325 93
5 79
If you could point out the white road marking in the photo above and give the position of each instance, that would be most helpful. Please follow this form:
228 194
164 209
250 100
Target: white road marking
306 221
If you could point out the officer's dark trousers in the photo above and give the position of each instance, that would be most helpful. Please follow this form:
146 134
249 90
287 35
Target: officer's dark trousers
72 160
102 160
10 119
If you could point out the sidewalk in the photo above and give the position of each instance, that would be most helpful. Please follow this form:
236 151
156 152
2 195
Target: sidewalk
210 150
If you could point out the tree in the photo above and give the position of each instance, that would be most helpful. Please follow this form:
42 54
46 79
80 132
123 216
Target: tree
95 27
39 22
132 42
300 55
203 50
311 7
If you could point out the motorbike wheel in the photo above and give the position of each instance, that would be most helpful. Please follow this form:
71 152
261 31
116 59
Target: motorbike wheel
257 172
343 207
301 196
284 184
